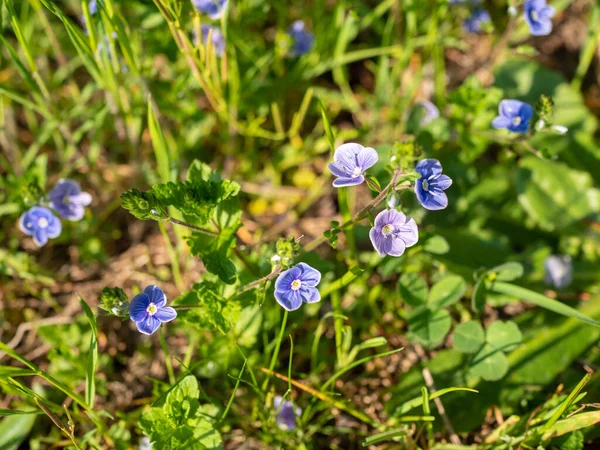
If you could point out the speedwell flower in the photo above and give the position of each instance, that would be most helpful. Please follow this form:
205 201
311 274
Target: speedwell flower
432 184
393 232
538 16
473 23
217 39
297 285
148 310
212 8
350 161
66 198
286 419
514 116
40 223
559 271
303 40
429 110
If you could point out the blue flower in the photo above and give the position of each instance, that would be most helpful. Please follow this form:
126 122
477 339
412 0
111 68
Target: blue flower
40 223
302 40
286 419
148 310
514 116
212 8
393 232
472 24
558 271
350 161
296 285
93 7
432 184
66 198
430 112
217 38
538 16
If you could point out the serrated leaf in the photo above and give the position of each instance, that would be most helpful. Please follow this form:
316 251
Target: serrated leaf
447 291
489 363
469 337
413 289
504 336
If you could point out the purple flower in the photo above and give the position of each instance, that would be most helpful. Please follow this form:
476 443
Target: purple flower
432 184
296 285
286 419
430 112
93 7
148 310
350 161
538 16
558 271
472 24
303 40
393 232
514 116
66 198
212 8
217 38
40 223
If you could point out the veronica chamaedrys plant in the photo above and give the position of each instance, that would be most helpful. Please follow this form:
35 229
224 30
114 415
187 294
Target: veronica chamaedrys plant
216 37
41 224
558 271
538 16
68 200
350 162
302 39
212 8
514 116
148 310
287 415
296 285
474 22
431 185
393 232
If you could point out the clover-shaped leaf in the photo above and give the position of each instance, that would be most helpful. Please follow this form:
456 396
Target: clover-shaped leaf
447 291
413 289
469 337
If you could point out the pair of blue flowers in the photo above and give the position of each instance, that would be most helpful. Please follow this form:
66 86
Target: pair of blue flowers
67 199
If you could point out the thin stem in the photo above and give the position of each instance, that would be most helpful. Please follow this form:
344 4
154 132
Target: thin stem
193 227
276 271
276 350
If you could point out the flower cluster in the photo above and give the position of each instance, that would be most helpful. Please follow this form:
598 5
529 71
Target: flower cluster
67 199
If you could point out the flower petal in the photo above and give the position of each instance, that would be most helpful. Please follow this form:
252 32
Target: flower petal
337 169
435 200
509 108
397 247
389 216
81 199
409 232
138 306
367 157
443 182
343 182
501 122
310 276
54 227
428 167
156 295
289 300
165 314
40 238
285 278
310 294
149 325
346 154
378 241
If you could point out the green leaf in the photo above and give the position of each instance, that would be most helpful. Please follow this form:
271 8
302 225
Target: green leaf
554 195
159 145
14 430
469 337
447 291
413 289
436 245
479 295
541 300
90 376
418 401
429 327
182 401
327 127
576 422
504 336
143 205
508 271
489 363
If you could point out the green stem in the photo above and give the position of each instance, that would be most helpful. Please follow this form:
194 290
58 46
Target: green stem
193 227
175 268
587 54
275 351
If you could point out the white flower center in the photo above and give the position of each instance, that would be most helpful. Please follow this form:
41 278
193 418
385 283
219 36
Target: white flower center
43 223
516 121
387 230
356 172
66 200
296 284
152 309
425 184
535 16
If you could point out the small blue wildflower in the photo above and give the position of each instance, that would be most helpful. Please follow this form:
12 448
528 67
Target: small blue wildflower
473 23
40 223
148 310
296 285
217 38
286 419
93 7
514 116
430 112
393 232
350 161
432 184
66 198
558 271
303 40
212 8
538 16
